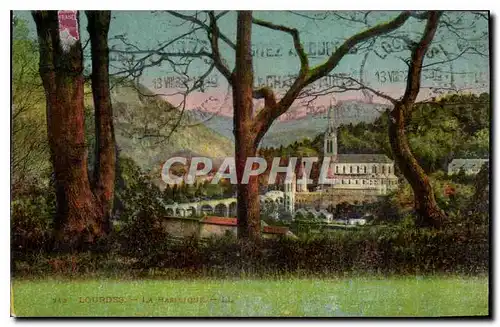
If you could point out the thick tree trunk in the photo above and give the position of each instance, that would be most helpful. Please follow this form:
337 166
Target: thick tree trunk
77 219
248 211
105 164
245 136
428 212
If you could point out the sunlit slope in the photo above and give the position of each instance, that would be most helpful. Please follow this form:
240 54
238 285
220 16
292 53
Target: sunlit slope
149 130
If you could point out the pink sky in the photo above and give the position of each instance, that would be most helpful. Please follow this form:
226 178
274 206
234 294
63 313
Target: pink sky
219 101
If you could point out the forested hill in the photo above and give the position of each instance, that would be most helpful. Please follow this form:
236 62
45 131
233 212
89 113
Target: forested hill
456 126
149 130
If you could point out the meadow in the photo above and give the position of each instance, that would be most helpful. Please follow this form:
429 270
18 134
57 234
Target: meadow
409 296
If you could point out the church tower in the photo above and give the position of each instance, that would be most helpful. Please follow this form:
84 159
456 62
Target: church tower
302 179
290 188
330 142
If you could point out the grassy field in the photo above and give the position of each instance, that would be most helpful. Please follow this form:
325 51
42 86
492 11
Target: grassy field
369 297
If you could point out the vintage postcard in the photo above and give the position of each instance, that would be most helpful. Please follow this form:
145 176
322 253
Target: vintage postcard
250 164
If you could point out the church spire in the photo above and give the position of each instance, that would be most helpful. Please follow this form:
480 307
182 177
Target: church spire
330 142
331 120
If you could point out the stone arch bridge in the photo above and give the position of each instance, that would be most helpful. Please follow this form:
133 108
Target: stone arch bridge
219 207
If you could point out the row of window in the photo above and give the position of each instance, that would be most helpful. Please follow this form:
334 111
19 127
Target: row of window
361 169
367 182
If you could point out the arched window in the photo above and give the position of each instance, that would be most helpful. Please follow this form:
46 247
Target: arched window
389 169
357 181
337 169
343 169
365 169
350 169
383 169
358 169
374 169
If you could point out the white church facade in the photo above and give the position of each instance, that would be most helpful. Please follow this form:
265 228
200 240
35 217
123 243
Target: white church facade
370 173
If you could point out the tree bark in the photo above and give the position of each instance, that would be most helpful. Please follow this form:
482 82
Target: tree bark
77 219
428 212
245 136
105 164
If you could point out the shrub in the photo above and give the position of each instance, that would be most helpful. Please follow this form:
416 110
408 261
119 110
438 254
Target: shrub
31 218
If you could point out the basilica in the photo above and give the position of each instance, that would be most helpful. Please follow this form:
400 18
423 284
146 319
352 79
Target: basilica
354 171
352 177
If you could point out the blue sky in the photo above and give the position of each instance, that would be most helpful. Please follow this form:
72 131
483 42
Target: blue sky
273 61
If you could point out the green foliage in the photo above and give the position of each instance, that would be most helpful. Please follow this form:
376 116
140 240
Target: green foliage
30 156
31 221
454 126
388 210
143 244
143 238
136 193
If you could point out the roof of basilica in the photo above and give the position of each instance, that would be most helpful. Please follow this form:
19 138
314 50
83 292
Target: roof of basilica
362 158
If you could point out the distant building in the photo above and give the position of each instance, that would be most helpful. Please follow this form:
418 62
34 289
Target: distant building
322 214
210 226
289 195
468 166
181 227
326 216
217 226
305 212
351 221
357 172
357 221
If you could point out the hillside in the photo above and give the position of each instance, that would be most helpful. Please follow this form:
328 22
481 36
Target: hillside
149 130
287 132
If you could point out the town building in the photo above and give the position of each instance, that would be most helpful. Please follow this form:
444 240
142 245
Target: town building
356 171
289 194
210 226
353 178
468 166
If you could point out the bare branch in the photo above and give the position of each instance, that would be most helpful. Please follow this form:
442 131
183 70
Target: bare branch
204 26
417 58
423 15
344 88
304 62
213 34
268 114
350 43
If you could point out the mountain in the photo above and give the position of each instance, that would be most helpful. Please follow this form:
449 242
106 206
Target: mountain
150 130
285 132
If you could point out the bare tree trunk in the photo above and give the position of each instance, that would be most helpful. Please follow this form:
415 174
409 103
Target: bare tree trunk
77 219
104 171
245 136
428 212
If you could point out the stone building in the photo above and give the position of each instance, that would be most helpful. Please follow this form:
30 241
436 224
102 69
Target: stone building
468 166
355 171
353 178
289 195
210 226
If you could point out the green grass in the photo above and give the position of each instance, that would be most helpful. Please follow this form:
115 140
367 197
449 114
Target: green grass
371 297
